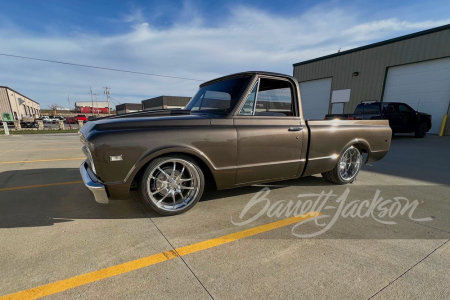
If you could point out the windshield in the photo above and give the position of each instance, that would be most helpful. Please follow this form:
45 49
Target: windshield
219 97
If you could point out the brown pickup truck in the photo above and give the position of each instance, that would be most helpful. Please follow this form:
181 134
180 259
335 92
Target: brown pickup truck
237 130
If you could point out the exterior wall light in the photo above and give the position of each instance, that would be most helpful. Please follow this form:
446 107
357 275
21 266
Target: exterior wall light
355 73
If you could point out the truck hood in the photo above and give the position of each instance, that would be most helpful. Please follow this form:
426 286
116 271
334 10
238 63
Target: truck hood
423 114
146 119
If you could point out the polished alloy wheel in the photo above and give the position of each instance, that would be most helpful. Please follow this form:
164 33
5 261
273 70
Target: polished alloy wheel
173 184
350 163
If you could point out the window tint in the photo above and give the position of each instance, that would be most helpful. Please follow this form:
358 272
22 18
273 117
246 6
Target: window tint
274 98
214 100
221 96
247 109
388 108
404 109
368 108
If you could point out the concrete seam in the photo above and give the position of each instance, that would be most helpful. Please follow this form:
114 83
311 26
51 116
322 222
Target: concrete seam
173 248
390 283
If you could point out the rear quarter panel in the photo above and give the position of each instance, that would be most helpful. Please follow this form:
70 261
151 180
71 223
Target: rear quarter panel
328 139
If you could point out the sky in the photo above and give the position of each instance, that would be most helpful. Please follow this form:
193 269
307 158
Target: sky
199 40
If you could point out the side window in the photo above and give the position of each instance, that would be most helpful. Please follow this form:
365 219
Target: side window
274 98
247 109
404 109
388 108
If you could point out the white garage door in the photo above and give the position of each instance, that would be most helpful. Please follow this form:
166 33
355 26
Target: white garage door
315 98
425 86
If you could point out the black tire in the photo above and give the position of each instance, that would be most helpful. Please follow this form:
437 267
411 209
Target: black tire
145 189
335 176
421 130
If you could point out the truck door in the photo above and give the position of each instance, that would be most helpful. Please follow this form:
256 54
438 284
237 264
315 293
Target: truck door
406 117
269 132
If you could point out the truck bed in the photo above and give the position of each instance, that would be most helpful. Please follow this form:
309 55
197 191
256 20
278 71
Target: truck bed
371 136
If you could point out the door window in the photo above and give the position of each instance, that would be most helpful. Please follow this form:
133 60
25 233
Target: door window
249 104
404 108
273 98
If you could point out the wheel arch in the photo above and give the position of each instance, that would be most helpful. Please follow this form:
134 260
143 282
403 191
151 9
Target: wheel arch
362 146
203 162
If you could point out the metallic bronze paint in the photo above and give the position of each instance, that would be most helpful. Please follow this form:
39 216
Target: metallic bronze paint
238 150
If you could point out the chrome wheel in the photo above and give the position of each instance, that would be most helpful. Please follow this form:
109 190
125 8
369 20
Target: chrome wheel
350 163
173 184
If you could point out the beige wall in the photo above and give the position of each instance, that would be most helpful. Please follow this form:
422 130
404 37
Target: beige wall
372 64
28 108
4 102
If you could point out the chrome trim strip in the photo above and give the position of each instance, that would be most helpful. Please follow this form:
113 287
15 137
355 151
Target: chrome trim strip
334 156
97 189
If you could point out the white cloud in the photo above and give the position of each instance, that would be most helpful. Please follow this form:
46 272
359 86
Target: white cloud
378 29
247 39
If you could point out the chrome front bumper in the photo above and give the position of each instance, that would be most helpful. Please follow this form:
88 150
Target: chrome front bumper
94 185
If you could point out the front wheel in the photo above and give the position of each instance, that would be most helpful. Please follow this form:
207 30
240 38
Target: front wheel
347 167
172 185
421 130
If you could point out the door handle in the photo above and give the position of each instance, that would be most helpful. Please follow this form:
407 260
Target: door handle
296 128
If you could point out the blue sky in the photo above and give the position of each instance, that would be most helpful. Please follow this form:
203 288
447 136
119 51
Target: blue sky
194 39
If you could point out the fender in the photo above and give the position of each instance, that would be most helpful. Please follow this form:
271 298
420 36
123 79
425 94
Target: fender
362 142
152 155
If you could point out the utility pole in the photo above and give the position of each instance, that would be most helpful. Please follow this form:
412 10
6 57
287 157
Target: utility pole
96 103
68 99
92 100
106 92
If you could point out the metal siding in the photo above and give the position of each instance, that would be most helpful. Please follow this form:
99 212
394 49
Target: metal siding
371 64
4 102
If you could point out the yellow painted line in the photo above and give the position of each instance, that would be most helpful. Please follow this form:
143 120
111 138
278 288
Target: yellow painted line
52 149
40 160
39 185
69 283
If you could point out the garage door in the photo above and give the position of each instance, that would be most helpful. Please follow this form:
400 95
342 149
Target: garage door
315 98
425 86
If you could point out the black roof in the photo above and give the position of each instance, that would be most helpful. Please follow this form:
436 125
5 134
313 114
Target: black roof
248 73
401 38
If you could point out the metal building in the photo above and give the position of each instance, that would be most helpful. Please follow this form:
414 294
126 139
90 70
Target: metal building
163 102
414 69
17 104
128 108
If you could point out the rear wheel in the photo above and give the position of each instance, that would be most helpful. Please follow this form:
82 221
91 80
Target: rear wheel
172 185
421 130
347 167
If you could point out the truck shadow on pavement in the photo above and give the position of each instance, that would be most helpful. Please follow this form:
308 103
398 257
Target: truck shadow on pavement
49 205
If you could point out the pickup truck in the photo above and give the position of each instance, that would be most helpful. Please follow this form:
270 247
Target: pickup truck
402 118
237 130
74 120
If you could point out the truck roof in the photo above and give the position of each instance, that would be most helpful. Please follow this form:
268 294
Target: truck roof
248 73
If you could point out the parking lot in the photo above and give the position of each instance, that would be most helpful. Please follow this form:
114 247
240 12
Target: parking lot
52 231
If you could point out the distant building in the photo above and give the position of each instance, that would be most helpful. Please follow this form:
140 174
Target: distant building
128 108
17 104
88 107
165 102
